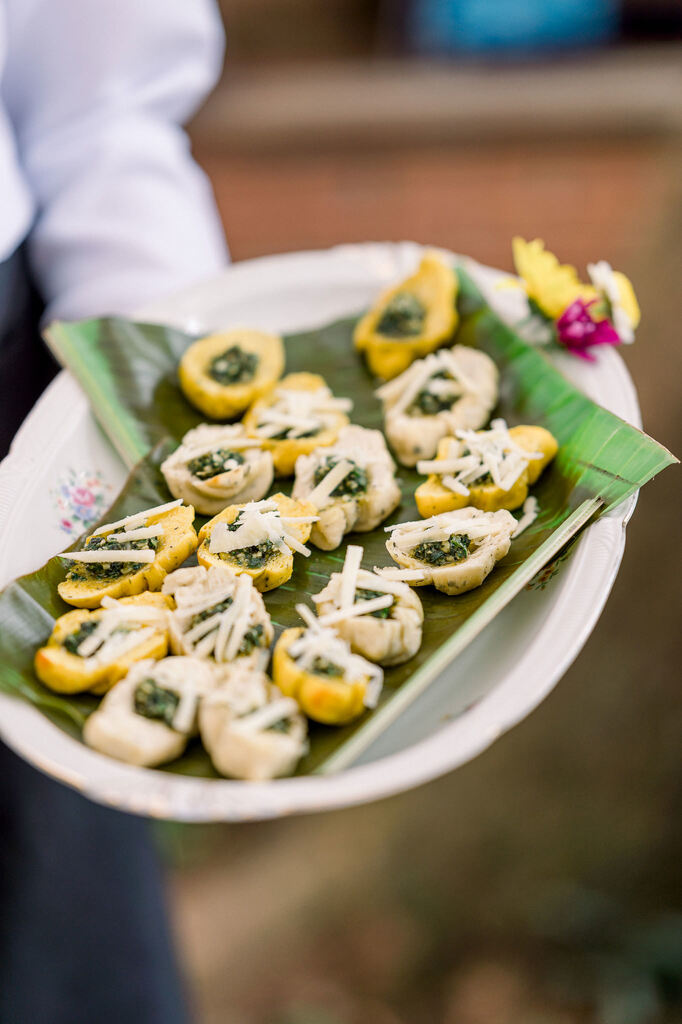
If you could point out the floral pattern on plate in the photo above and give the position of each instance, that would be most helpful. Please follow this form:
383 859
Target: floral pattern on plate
80 498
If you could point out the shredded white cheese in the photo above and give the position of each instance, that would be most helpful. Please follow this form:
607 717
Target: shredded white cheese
529 514
258 523
300 412
492 451
110 555
321 494
138 518
318 641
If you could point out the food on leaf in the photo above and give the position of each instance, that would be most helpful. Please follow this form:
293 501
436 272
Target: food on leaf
92 650
147 718
217 466
449 390
454 551
219 615
249 729
258 539
223 374
487 469
351 484
296 417
132 555
381 619
411 319
318 669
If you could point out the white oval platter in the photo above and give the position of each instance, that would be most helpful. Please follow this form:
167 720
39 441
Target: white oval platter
498 680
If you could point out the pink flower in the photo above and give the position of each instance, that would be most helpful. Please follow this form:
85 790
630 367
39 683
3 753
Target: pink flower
66 524
578 332
82 496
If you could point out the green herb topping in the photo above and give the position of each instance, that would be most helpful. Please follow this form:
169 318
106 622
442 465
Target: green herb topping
233 366
72 642
353 483
428 404
153 701
253 637
443 552
284 434
403 317
212 463
485 477
83 572
253 557
322 667
367 595
283 726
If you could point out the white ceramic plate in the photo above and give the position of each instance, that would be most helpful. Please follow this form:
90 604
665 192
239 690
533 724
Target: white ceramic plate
62 470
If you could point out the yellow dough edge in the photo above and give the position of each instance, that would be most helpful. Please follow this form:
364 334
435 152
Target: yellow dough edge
323 700
225 401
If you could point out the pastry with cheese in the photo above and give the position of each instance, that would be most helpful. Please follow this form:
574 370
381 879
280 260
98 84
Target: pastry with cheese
249 729
92 650
318 669
381 619
295 417
488 469
411 319
216 466
258 539
351 483
148 717
223 374
129 556
453 389
218 615
454 551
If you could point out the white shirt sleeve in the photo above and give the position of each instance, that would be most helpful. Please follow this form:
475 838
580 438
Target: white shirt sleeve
97 92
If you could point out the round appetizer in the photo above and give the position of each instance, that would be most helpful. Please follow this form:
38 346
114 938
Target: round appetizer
411 319
454 389
318 669
381 619
297 416
125 558
249 729
223 374
258 539
351 483
488 469
218 615
147 718
92 650
217 466
454 551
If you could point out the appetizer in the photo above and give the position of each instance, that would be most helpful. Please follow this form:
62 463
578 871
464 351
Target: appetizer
381 619
351 484
126 557
218 615
148 717
250 730
218 466
454 389
92 650
411 319
489 469
454 551
258 539
223 374
297 416
318 669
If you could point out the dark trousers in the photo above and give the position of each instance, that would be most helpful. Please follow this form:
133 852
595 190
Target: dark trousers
83 931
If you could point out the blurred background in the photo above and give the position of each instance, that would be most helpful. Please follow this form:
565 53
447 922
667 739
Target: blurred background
538 884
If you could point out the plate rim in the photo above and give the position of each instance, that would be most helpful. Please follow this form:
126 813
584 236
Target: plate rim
186 798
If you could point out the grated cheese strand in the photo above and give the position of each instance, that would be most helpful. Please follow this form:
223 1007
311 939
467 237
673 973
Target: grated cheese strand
138 518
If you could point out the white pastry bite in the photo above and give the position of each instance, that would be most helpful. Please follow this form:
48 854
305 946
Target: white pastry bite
381 619
216 466
148 717
351 483
249 729
218 615
454 551
452 389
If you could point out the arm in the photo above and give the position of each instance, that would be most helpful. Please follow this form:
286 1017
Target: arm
97 92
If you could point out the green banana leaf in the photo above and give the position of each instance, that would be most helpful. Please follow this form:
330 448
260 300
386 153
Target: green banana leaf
128 371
